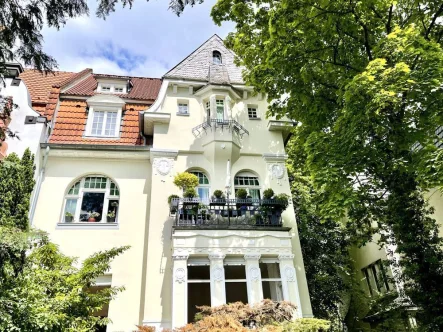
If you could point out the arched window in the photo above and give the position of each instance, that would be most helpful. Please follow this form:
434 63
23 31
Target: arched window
92 198
216 58
203 185
248 181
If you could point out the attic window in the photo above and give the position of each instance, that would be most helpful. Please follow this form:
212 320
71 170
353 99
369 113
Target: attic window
216 58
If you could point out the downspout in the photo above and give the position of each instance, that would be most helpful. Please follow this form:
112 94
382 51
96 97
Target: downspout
140 126
38 187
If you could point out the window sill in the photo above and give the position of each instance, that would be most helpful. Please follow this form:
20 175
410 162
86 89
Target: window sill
254 118
87 225
182 114
101 137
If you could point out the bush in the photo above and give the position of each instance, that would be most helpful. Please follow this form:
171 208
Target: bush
283 199
268 193
299 325
241 194
214 324
186 181
218 193
190 193
171 197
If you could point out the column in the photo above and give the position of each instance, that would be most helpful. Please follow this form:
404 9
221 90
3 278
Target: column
289 281
217 270
253 278
179 290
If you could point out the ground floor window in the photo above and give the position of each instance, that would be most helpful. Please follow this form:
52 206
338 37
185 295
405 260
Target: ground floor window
235 284
271 281
199 289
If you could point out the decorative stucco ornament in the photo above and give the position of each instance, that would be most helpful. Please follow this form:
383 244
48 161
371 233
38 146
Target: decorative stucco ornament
254 273
180 275
218 274
277 171
290 273
163 165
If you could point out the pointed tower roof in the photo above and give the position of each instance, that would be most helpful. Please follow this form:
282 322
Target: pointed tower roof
199 65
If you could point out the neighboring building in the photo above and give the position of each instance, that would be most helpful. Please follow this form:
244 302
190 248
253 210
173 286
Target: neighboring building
114 147
26 122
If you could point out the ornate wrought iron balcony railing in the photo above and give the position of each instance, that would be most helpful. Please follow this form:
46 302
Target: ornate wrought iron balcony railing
226 213
213 124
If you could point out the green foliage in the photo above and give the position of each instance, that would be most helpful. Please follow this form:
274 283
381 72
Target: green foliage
190 193
185 180
241 193
171 197
363 80
40 288
218 193
268 193
283 200
300 325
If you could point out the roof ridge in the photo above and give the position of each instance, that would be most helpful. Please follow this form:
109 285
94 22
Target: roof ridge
126 76
72 78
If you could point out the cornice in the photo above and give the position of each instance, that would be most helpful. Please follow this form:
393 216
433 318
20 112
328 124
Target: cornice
163 153
274 157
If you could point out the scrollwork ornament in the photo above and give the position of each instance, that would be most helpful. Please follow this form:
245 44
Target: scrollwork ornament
180 275
254 273
289 273
163 165
277 171
218 274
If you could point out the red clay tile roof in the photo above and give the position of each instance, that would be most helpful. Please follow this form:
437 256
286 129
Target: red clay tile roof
71 119
143 88
40 84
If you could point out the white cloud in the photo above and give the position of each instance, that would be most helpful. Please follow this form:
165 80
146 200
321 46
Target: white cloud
147 40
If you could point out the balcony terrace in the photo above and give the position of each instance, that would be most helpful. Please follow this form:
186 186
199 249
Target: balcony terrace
195 213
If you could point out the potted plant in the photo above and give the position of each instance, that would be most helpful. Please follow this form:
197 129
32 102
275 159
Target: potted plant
282 201
69 217
92 216
242 194
111 216
218 198
173 203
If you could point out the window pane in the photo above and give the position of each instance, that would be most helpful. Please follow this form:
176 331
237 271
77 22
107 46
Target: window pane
203 193
254 193
74 189
114 190
71 204
111 215
269 270
272 290
97 123
111 124
92 202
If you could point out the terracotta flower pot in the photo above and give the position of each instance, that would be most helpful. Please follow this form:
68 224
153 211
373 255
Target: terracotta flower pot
91 219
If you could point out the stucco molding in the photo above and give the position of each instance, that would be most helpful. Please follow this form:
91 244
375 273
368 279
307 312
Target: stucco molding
252 257
182 256
254 273
218 274
286 256
85 225
216 256
274 157
180 275
163 166
289 273
163 153
106 100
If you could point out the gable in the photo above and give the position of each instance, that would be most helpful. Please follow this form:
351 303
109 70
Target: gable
198 65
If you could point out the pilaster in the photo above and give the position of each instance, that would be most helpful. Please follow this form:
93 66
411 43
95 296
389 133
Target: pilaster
179 290
217 270
253 278
289 281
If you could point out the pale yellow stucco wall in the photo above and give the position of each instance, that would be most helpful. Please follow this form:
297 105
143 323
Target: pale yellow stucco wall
132 177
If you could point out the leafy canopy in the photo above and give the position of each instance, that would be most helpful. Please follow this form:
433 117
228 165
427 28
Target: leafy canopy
40 288
364 80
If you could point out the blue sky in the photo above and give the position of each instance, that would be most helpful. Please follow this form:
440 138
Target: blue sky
147 40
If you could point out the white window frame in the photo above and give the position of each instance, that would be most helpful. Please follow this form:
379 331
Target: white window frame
182 103
371 275
222 103
119 87
280 280
112 86
204 186
90 120
79 197
107 86
217 55
247 187
253 109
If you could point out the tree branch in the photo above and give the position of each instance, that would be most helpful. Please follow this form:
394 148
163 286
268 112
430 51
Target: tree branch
431 25
388 24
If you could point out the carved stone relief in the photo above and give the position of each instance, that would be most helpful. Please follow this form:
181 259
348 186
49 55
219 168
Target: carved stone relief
289 273
218 274
180 275
163 165
254 273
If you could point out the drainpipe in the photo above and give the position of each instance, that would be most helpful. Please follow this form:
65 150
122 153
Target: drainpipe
140 126
38 186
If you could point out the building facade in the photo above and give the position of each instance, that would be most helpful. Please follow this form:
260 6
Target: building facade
106 170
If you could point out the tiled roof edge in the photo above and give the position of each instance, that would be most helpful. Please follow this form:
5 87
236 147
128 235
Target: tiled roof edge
73 78
95 147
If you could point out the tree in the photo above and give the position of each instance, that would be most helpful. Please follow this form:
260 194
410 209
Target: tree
325 245
363 79
40 288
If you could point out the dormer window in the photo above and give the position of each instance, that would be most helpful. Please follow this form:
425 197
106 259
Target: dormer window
111 87
216 58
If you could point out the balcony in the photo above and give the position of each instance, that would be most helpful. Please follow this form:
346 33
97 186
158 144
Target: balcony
194 213
223 125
